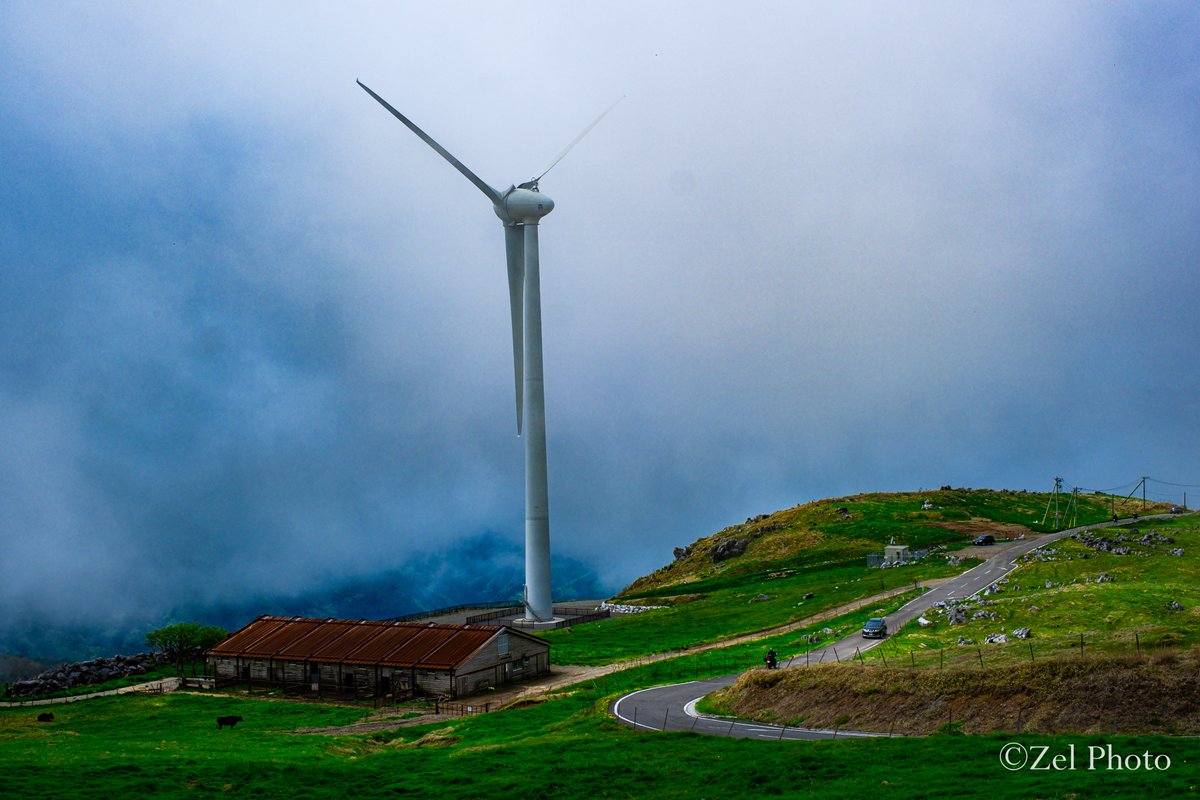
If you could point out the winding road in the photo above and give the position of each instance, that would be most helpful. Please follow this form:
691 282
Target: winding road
673 707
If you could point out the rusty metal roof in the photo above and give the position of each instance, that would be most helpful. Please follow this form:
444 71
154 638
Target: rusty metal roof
341 641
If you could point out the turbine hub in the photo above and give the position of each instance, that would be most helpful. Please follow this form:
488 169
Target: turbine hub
525 206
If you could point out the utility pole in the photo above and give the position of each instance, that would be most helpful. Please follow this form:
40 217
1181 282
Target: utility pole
1134 491
1053 499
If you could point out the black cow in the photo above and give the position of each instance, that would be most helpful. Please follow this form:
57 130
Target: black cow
230 721
45 716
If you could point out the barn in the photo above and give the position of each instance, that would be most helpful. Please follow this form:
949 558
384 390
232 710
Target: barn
367 658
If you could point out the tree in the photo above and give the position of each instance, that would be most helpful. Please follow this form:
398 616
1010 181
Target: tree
184 640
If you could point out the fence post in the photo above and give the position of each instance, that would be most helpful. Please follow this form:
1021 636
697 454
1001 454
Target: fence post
1138 643
941 658
1081 645
1031 651
665 713
979 651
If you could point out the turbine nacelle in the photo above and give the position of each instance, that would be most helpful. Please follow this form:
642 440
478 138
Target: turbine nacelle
522 206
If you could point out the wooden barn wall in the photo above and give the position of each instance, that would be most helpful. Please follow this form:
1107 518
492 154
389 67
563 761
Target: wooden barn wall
332 676
224 667
435 681
260 670
488 667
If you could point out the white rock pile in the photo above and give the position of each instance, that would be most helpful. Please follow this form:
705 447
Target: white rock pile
621 608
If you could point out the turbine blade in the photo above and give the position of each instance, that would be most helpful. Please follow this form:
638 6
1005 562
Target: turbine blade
514 247
491 193
576 140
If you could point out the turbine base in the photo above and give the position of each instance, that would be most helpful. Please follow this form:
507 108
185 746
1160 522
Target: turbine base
537 624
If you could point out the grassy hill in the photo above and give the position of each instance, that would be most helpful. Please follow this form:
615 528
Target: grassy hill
569 747
845 529
810 559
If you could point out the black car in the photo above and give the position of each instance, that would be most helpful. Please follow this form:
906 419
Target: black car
985 538
876 628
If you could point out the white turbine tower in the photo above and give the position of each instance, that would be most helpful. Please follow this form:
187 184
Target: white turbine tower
519 209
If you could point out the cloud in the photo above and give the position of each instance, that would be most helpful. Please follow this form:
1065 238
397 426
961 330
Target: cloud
254 333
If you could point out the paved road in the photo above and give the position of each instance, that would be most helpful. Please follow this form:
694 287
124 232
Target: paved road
674 707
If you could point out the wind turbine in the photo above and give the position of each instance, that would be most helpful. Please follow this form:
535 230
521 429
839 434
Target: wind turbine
520 208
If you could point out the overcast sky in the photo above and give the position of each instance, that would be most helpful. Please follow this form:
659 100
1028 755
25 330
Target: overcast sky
253 331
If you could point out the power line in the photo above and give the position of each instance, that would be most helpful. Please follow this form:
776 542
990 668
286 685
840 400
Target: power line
1140 483
1180 485
1115 488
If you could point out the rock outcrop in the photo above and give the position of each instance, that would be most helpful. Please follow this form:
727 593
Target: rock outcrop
85 673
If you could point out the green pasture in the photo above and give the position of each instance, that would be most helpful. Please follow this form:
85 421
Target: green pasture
566 747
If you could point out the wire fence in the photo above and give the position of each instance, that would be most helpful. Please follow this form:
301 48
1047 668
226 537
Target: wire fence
437 612
888 655
500 613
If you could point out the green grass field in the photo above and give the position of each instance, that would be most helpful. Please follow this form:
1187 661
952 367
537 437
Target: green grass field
569 747
564 748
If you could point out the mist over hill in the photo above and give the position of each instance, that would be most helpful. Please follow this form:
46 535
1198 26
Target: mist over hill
485 567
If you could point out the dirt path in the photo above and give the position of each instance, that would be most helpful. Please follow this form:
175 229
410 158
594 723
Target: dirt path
566 675
152 687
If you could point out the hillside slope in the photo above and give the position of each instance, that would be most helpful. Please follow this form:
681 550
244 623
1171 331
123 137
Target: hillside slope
847 528
1106 694
1098 632
778 568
